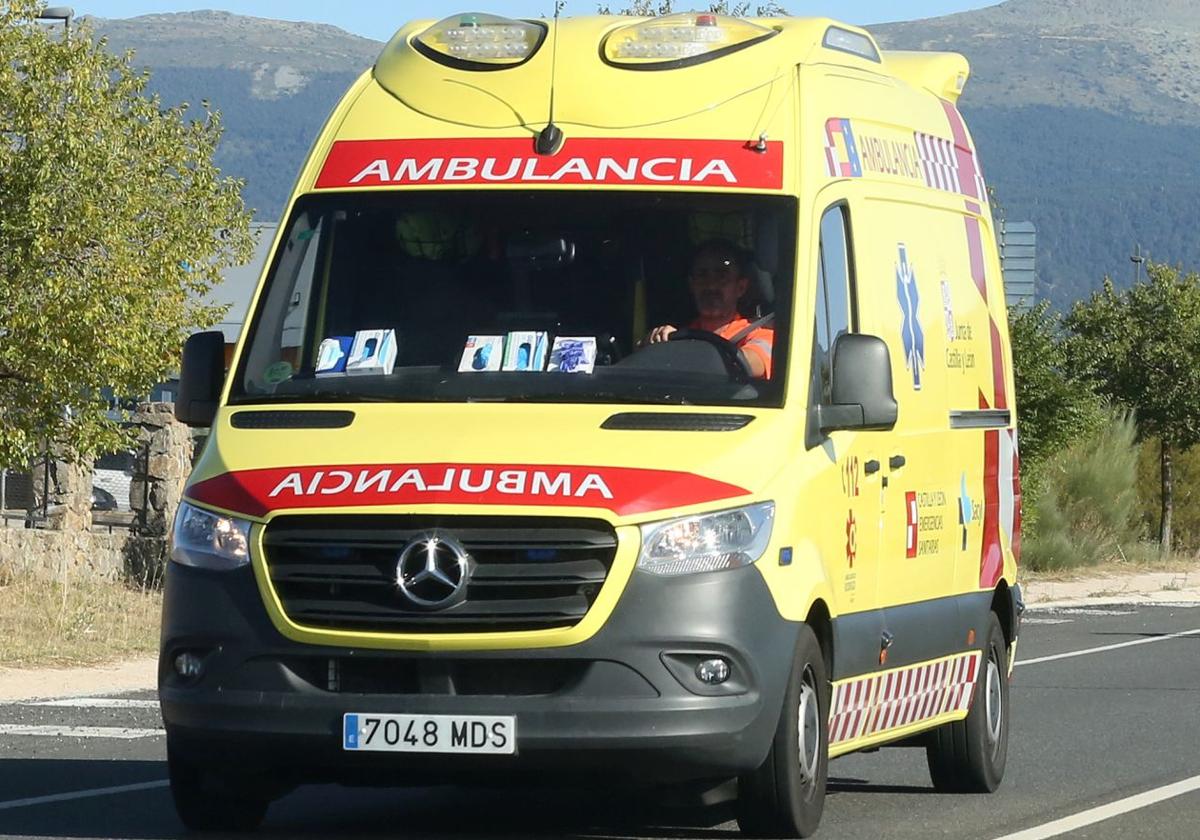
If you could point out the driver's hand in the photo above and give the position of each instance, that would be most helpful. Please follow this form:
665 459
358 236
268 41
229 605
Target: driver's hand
658 334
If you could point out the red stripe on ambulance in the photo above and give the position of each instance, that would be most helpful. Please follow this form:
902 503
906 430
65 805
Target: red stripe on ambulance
1001 456
582 161
624 491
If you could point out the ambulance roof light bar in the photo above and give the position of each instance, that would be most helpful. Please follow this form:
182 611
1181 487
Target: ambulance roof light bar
478 41
849 41
680 40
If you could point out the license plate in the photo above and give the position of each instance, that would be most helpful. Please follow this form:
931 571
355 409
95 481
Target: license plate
430 734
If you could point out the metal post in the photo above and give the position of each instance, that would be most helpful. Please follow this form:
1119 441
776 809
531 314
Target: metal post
143 516
1137 259
46 485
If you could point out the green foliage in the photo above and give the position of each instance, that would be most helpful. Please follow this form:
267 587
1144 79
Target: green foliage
1056 406
653 8
1141 346
113 221
1084 503
1185 519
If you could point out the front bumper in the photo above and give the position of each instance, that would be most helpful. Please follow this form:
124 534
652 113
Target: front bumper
624 702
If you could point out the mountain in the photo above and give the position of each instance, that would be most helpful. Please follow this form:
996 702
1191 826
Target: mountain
1085 113
273 81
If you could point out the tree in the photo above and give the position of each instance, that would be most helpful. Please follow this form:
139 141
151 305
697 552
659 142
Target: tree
1141 345
652 8
113 222
1056 405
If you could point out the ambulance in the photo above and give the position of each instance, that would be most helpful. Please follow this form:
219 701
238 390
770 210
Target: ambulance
462 518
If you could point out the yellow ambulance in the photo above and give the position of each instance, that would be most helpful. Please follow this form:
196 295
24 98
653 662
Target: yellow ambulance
623 397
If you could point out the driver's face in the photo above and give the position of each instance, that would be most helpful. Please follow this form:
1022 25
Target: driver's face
716 286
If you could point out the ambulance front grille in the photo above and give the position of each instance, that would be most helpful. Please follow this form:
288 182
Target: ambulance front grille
526 573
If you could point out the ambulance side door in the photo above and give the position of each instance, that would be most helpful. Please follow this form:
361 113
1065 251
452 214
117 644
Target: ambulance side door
917 248
846 509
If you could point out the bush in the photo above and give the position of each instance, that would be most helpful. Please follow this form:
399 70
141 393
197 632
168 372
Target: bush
1083 504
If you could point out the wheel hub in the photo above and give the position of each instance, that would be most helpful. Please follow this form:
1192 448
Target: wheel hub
995 700
809 728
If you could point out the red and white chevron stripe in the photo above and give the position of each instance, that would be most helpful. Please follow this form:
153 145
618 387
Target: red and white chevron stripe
939 165
901 697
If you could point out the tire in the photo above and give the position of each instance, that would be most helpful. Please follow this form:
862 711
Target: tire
968 756
785 796
206 801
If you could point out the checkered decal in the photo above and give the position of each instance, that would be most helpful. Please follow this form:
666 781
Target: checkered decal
939 164
905 696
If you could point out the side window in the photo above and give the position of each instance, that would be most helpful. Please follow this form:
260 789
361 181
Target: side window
834 306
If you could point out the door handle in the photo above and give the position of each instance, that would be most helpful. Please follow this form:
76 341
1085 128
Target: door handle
896 462
871 467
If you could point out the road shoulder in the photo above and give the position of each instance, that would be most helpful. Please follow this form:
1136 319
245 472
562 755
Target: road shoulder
1141 588
19 684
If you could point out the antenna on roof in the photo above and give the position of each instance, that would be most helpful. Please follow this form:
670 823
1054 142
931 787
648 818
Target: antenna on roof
550 139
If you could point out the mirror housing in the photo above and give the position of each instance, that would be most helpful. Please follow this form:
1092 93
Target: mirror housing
201 378
863 398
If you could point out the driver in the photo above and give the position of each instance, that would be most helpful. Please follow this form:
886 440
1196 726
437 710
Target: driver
718 279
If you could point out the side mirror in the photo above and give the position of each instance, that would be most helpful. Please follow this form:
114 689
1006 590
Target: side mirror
862 387
200 379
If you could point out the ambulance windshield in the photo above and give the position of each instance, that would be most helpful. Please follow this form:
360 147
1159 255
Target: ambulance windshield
526 296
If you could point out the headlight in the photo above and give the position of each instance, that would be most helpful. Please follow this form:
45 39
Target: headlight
208 540
712 542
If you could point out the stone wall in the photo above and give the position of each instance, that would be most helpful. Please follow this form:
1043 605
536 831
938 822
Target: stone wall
68 544
158 478
53 554
68 485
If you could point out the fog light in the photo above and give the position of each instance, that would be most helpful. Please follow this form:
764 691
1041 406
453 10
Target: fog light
189 666
712 671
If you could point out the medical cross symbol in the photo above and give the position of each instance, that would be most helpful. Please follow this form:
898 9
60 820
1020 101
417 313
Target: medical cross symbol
910 331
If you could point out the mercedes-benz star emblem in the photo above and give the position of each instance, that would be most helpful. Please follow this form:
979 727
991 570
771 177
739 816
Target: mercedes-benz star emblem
432 571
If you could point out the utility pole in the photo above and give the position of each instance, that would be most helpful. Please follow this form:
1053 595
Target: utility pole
1137 259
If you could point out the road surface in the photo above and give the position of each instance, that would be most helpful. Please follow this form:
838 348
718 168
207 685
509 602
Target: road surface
1105 744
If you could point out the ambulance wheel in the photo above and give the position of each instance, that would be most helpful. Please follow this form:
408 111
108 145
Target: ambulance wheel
208 802
785 796
968 756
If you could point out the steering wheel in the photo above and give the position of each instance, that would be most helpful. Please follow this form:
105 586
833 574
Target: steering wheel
731 357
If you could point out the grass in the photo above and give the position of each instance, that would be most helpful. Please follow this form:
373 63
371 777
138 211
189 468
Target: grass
84 622
1143 557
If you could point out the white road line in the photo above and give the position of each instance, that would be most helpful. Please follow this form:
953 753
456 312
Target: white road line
1105 812
81 794
1103 648
95 703
120 733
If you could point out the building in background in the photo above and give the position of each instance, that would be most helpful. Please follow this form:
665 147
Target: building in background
234 292
238 287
